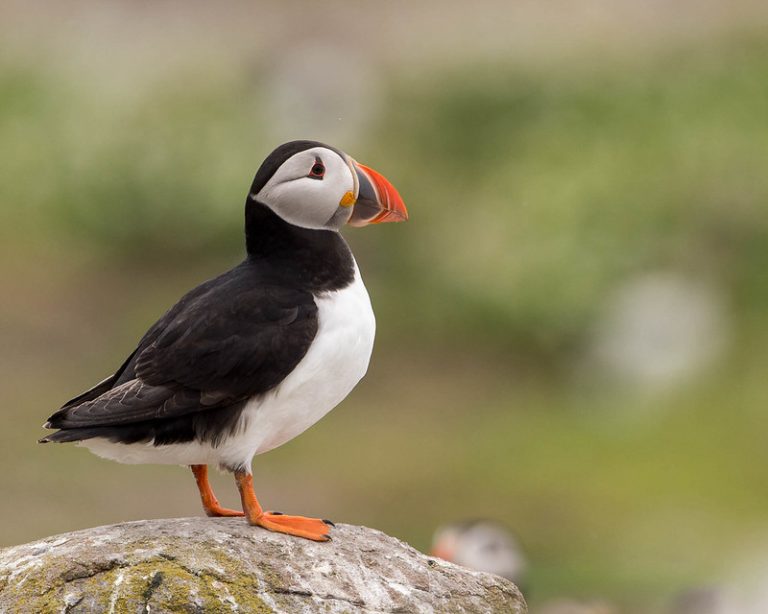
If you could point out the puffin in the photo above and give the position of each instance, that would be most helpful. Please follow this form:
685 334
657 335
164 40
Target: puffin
483 545
250 359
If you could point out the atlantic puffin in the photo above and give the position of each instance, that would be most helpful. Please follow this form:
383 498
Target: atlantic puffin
482 545
248 360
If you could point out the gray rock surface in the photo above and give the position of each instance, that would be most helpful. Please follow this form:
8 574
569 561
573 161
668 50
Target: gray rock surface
223 565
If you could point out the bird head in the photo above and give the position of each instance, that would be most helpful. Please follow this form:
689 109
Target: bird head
312 185
483 545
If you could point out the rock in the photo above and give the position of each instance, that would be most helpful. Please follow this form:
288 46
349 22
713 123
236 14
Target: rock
223 565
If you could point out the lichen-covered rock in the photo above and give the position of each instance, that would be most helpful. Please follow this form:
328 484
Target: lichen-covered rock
223 565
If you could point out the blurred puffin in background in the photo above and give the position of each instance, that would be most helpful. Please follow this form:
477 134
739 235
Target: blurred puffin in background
482 545
252 358
488 545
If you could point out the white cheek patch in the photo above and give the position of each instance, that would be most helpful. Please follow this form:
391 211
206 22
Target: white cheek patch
306 201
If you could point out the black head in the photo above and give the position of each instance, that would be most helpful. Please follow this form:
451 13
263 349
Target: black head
280 154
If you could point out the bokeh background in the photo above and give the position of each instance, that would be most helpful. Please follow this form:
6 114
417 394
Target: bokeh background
572 328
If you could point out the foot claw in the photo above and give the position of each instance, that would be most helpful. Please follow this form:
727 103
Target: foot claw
329 522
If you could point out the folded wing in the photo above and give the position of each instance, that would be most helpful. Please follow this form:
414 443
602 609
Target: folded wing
225 341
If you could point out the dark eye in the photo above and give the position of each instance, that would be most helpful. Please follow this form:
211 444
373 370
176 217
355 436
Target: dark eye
317 171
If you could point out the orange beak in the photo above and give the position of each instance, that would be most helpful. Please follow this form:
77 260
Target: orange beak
377 201
441 552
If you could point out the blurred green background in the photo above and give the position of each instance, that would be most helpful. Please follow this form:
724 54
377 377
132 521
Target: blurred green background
572 328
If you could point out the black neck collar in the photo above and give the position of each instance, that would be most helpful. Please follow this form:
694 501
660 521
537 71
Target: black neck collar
317 259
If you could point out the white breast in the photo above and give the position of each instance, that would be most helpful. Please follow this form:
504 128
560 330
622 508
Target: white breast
335 362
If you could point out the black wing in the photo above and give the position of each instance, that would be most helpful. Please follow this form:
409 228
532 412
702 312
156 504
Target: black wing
100 388
226 340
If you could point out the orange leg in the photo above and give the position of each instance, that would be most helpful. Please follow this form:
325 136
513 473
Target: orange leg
308 528
210 502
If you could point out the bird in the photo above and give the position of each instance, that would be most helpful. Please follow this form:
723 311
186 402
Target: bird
250 359
482 545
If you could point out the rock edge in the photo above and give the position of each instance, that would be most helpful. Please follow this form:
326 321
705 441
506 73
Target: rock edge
223 565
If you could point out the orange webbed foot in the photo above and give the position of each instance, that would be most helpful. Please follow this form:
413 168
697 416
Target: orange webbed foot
211 504
315 529
223 512
309 528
